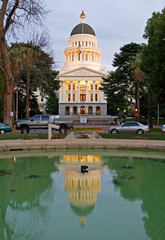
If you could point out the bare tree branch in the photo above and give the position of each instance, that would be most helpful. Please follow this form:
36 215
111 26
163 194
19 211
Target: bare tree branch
9 20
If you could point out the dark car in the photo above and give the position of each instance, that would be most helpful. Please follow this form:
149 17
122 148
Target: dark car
130 127
4 128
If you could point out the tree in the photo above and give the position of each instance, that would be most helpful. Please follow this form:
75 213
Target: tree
153 60
138 76
52 104
14 14
41 76
119 87
113 93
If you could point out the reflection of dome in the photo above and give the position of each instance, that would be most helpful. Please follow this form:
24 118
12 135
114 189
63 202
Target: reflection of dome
82 28
82 211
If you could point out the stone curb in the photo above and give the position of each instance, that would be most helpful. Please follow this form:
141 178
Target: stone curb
81 143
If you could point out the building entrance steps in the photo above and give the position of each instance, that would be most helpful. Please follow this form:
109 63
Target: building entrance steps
82 135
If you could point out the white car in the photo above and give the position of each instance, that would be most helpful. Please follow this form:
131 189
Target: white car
163 128
130 127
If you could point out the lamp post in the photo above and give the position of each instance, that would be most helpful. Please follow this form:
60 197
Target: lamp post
16 103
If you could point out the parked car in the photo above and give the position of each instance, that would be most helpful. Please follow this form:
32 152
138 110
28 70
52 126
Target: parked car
130 127
163 128
4 128
42 122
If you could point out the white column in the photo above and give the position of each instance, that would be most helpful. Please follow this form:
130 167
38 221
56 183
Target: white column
71 110
86 99
102 96
71 93
78 97
78 110
63 91
93 91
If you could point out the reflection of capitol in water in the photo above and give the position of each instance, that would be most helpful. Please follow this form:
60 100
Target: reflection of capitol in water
82 188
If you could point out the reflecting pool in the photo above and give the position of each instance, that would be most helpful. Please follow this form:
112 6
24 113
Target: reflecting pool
44 195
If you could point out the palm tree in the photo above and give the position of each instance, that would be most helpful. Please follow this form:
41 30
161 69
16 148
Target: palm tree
138 76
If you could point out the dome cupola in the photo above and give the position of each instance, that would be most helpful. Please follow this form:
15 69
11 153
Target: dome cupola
82 27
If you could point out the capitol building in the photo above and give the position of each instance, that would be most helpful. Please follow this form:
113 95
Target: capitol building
81 76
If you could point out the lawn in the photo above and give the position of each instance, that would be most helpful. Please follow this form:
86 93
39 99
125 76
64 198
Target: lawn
30 136
149 136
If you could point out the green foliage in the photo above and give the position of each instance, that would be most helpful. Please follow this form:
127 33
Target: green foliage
119 86
34 109
42 77
52 104
153 55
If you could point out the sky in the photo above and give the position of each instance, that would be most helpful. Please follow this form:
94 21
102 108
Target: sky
115 22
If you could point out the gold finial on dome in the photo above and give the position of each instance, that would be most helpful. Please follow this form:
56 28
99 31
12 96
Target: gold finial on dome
82 17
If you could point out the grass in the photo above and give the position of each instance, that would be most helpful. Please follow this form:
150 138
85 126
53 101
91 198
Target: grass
133 136
155 130
30 136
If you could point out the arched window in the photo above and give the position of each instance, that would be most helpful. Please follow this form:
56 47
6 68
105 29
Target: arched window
90 110
98 110
82 110
74 110
67 110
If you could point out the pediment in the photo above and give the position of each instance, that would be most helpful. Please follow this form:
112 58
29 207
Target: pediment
83 71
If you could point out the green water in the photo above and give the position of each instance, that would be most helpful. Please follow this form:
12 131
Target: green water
44 195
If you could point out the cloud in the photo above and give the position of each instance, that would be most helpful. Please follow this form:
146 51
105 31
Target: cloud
115 22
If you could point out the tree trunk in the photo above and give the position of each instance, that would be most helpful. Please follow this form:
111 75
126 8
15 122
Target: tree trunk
150 123
138 98
27 92
9 85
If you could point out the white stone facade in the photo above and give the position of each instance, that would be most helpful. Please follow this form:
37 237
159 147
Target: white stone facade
81 76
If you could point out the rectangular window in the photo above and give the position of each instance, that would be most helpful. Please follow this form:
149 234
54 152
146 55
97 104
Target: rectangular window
69 97
75 43
44 118
86 43
73 97
91 97
79 56
96 97
68 86
83 57
82 43
92 87
96 87
82 97
73 86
